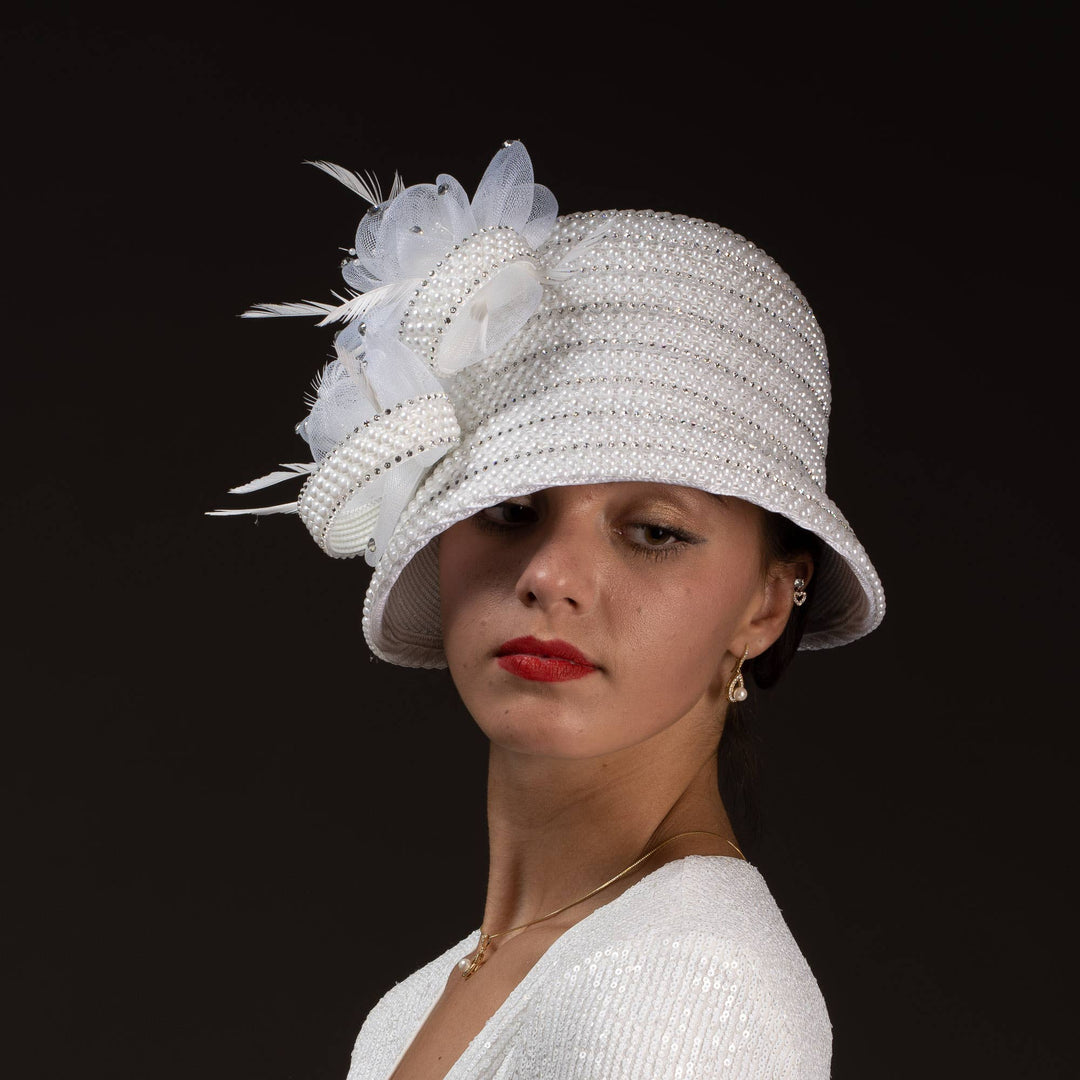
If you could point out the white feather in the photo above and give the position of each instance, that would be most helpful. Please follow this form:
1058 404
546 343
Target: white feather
565 266
289 472
303 307
397 187
355 307
366 187
374 186
282 508
317 385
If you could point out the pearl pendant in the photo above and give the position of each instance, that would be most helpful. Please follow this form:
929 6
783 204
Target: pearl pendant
736 690
468 966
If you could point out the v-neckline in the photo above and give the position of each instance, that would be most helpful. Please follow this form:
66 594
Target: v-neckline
546 960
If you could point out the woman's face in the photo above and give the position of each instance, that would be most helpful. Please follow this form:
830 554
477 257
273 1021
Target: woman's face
579 621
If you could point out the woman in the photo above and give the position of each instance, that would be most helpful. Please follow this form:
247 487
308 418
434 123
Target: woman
586 458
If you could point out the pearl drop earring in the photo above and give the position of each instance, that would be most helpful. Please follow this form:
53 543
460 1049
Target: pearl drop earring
736 689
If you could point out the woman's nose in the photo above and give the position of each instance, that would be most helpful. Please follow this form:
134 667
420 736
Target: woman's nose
562 568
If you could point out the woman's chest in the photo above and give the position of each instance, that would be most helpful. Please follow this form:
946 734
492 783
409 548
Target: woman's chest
463 1010
445 1035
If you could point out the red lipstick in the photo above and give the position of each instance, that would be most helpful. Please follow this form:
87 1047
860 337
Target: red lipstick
543 661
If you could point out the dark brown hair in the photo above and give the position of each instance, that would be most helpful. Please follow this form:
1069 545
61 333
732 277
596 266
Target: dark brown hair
784 542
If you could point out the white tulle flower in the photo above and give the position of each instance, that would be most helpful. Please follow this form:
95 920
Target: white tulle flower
462 272
404 237
438 281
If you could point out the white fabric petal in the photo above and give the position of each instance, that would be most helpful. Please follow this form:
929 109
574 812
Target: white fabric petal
456 210
357 276
545 209
376 254
342 401
420 234
493 316
395 373
505 193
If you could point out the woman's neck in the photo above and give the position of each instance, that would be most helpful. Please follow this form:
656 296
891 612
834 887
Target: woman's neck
558 828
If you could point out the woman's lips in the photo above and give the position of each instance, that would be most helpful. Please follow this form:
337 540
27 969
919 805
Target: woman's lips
543 661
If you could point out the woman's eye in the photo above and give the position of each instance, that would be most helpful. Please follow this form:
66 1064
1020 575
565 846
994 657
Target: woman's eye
508 513
655 536
659 541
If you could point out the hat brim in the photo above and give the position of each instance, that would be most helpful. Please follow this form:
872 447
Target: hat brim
401 610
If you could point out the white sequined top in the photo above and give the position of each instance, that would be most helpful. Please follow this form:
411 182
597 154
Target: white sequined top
691 972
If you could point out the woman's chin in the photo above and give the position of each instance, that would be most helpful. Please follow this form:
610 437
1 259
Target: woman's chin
548 734
542 733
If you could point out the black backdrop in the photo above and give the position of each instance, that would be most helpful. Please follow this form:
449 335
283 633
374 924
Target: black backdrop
230 831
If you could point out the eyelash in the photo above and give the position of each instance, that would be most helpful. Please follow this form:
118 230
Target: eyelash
484 522
681 539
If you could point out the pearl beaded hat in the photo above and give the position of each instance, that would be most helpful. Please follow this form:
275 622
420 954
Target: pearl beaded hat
492 349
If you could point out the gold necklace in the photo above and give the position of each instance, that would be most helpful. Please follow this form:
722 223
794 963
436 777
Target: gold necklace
469 966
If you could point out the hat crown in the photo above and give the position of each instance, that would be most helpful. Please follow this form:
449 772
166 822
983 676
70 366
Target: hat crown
671 305
664 349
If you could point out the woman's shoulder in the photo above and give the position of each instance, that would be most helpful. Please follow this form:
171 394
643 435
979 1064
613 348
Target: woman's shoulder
706 894
701 938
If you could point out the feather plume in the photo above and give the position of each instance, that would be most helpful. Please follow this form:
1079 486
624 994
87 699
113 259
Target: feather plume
375 186
281 508
397 187
289 471
357 305
303 307
366 187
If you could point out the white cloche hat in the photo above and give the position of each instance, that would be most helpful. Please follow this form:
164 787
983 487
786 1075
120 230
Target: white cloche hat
491 349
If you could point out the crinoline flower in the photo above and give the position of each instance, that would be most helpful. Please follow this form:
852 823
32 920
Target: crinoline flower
437 282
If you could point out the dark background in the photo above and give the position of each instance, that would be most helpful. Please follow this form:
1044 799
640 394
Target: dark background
230 830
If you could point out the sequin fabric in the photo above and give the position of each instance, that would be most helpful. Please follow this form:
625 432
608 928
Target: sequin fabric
670 350
690 973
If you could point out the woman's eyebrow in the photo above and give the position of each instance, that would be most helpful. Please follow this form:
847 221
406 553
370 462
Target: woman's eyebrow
678 502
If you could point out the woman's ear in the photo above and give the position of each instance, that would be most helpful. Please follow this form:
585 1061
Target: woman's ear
777 599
